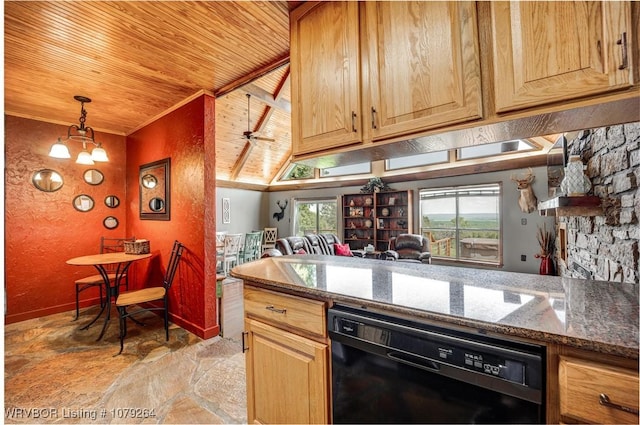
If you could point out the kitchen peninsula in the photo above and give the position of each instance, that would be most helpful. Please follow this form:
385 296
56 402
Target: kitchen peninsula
589 328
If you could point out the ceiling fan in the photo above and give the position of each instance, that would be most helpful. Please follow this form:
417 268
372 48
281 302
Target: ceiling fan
249 135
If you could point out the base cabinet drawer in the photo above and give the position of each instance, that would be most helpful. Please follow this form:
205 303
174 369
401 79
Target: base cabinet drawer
286 311
597 393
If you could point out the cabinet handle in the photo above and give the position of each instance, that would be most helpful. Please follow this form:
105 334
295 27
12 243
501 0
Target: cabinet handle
244 347
605 401
276 310
353 122
373 118
622 42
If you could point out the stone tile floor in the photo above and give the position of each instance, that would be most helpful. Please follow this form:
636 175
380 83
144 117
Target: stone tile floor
56 373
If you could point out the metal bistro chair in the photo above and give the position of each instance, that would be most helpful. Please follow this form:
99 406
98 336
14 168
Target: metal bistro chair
106 245
149 295
252 246
231 251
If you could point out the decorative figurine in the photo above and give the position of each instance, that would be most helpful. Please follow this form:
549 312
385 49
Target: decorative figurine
575 183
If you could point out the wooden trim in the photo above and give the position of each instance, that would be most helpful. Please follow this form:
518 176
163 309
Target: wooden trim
252 76
242 185
477 168
620 108
57 122
171 109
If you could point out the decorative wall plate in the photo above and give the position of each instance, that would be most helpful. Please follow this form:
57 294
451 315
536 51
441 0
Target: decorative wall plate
385 212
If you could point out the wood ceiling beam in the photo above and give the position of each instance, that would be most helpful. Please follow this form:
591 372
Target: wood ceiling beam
277 97
242 159
249 78
266 97
261 124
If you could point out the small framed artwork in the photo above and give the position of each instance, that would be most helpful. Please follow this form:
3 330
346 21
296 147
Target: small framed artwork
392 201
226 210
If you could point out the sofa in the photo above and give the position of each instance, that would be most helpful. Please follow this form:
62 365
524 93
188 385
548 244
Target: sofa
321 244
409 248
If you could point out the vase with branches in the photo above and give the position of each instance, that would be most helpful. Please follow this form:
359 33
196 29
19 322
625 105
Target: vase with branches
546 240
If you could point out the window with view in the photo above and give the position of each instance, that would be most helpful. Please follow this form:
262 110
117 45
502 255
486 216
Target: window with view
313 216
463 223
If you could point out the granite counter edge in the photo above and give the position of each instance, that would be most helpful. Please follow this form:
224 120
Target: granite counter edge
530 334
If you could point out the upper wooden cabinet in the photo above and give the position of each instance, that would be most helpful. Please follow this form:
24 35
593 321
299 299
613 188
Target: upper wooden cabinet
547 52
420 66
324 76
376 70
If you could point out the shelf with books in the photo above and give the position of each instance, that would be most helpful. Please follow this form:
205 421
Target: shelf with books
375 218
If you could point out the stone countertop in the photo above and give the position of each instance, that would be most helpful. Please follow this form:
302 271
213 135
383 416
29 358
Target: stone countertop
593 315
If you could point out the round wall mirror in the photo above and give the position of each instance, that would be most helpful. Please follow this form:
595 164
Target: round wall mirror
93 177
83 203
156 204
47 180
112 201
110 222
149 181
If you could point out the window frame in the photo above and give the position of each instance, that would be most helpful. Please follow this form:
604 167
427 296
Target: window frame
456 194
315 200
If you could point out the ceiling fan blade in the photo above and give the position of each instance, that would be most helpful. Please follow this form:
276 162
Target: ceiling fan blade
264 139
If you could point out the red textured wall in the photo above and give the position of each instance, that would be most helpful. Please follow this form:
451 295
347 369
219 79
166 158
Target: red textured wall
43 230
186 136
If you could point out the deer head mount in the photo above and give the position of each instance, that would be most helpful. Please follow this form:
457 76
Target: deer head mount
280 215
527 201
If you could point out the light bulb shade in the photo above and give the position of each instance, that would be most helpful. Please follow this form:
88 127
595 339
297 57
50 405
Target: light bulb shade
99 154
84 158
59 150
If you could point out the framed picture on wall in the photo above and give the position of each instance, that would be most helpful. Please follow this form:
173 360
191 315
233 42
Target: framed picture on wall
226 211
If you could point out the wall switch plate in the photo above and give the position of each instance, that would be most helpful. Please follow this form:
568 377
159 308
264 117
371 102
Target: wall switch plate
523 221
523 257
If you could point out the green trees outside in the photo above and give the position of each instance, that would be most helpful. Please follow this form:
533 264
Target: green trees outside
316 217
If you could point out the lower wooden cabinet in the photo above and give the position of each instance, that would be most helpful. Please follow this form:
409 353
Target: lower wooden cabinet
594 392
287 358
287 376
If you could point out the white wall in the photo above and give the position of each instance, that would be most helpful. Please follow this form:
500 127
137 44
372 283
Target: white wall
518 239
246 210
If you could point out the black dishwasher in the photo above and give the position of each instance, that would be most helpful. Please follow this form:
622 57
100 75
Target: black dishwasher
386 369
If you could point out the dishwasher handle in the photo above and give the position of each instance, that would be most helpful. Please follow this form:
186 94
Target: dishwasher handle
413 360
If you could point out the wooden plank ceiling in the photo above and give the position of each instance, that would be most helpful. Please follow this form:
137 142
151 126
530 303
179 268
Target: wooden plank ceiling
136 60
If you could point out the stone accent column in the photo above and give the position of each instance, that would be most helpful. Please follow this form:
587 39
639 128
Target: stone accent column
606 247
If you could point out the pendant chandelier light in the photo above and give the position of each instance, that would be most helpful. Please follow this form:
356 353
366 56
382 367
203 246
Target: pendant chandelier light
82 134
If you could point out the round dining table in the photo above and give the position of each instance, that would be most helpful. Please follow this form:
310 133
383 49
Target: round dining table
122 261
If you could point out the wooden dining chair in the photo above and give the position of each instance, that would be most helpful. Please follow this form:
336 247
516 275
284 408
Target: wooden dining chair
270 237
106 245
150 297
252 246
230 252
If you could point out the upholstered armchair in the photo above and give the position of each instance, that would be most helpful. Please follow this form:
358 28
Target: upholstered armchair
406 247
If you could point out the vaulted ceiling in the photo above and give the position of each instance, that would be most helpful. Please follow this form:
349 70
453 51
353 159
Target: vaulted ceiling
136 60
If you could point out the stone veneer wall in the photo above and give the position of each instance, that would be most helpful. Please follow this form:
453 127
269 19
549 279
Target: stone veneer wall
607 245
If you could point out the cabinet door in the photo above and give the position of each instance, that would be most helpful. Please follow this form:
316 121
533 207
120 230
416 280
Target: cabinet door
421 66
287 377
553 51
325 109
